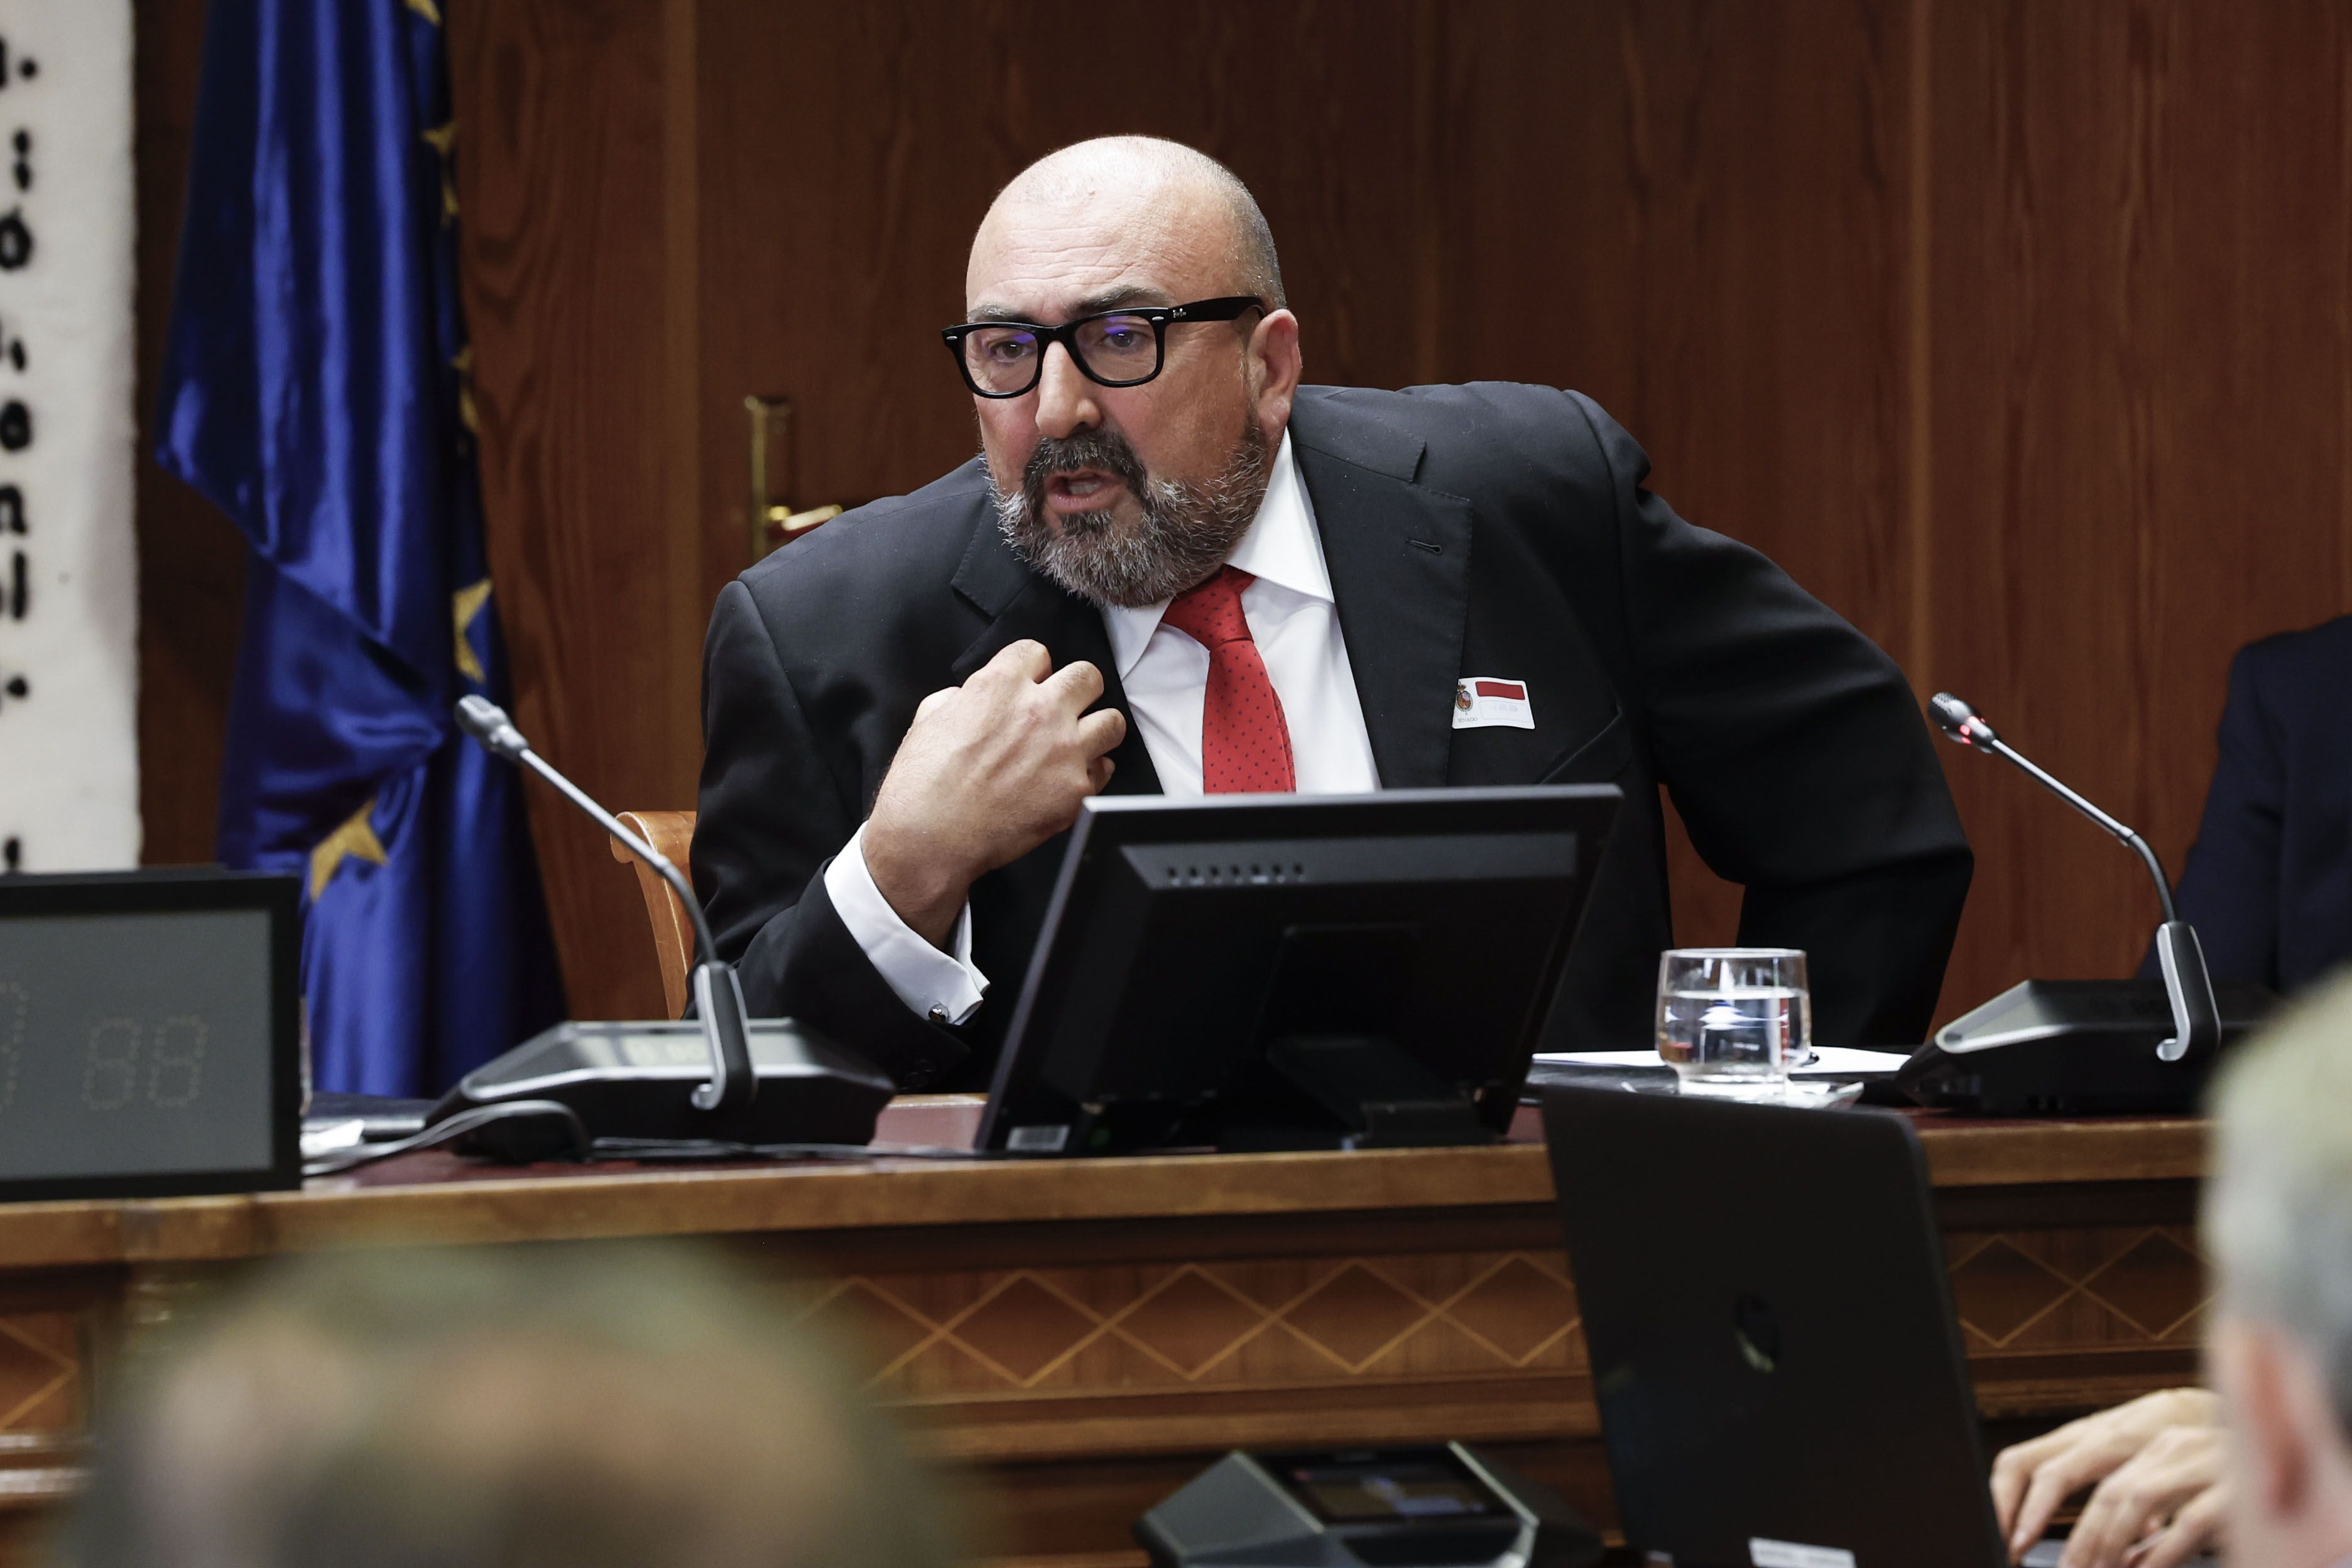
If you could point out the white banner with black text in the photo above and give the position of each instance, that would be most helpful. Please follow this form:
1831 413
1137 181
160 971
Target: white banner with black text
69 587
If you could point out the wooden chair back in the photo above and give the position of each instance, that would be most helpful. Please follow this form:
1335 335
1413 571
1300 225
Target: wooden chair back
672 833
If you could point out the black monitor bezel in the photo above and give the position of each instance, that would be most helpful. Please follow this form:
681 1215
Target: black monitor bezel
1122 821
188 891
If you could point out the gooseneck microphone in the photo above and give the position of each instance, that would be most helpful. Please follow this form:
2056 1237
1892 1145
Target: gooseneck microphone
718 995
2188 986
1964 724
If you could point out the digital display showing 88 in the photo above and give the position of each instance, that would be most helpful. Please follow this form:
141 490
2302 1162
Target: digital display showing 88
137 1043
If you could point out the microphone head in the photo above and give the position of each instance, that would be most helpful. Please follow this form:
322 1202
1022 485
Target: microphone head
487 722
1958 719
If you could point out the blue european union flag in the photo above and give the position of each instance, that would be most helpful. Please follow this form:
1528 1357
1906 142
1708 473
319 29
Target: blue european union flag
315 388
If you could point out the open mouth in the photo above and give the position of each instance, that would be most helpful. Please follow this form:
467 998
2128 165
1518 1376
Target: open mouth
1081 490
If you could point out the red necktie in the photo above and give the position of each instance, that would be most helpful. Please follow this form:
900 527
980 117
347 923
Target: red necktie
1244 741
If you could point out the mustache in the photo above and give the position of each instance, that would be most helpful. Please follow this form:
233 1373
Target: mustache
1096 448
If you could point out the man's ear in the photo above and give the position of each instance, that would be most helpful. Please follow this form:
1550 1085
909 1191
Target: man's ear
2262 1375
1276 365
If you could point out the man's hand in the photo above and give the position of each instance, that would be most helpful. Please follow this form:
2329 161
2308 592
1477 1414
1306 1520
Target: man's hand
2162 1507
2157 1459
989 770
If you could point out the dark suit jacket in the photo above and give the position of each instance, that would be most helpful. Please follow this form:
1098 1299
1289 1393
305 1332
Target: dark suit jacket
2269 881
1484 530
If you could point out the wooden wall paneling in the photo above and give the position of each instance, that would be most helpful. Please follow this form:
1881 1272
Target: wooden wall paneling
566 235
1715 249
2140 381
191 558
2019 334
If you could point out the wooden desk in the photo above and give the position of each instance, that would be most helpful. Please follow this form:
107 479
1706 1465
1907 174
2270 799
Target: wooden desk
1091 1333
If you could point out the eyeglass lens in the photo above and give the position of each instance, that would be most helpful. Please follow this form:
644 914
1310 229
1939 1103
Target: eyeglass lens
1115 348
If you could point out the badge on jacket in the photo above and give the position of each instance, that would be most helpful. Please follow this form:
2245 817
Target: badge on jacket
1481 701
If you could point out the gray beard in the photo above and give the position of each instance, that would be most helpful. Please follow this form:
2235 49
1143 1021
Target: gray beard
1186 533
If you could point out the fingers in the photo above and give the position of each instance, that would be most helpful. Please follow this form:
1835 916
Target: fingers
1098 773
2056 1479
2013 1467
2196 1528
2031 1480
1026 660
2177 1466
1101 731
1076 683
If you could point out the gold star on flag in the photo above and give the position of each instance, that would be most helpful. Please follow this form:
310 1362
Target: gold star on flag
468 603
424 8
442 138
354 840
462 362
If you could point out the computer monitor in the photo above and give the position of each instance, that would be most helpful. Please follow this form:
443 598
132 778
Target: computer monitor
1261 972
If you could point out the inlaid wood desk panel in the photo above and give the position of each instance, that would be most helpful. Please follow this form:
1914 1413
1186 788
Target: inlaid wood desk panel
1086 1334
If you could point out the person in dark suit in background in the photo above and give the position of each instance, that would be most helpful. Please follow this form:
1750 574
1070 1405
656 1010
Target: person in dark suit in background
1174 568
2268 883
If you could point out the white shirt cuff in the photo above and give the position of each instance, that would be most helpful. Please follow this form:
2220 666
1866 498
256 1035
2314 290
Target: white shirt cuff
942 986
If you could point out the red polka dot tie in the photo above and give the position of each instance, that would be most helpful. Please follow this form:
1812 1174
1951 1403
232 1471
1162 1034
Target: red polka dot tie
1244 740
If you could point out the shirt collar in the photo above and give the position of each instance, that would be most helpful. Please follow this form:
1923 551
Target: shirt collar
1281 546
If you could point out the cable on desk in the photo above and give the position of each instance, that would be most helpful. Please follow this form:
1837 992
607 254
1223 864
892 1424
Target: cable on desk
456 1126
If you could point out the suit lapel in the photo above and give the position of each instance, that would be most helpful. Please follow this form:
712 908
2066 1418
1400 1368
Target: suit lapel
1021 604
1399 556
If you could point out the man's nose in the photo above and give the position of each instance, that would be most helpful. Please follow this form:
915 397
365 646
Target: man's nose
1066 398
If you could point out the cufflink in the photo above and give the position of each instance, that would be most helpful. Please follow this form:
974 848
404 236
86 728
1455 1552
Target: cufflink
938 1015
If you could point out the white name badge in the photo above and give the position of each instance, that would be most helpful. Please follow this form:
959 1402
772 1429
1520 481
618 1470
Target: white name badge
1481 701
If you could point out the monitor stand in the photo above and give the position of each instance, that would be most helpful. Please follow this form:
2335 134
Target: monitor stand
1327 1069
1376 1096
1342 1078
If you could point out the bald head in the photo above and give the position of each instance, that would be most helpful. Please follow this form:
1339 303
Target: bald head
1159 195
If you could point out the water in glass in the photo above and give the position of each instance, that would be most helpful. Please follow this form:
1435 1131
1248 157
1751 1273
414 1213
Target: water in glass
1732 1021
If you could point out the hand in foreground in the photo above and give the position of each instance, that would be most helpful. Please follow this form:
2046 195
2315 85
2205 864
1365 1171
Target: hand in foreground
989 770
2164 1505
2157 1459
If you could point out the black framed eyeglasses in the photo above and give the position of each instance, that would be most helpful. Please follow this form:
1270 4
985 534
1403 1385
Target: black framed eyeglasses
1113 348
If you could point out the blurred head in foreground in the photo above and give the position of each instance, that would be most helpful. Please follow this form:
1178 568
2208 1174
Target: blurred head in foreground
571 1407
2278 1225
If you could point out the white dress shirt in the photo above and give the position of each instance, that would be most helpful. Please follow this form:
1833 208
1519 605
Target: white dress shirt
1295 622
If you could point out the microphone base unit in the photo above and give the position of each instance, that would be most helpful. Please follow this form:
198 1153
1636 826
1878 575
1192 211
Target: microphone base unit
2072 1048
639 1081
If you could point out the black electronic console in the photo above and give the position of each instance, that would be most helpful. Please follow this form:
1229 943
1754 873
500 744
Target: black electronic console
2052 1047
636 1081
1287 972
717 1079
1450 1507
2075 1047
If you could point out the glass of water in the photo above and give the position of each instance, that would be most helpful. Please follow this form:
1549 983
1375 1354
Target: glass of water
1733 1020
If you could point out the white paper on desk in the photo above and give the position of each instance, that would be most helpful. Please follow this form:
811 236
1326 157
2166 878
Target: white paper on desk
1827 1060
330 1137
